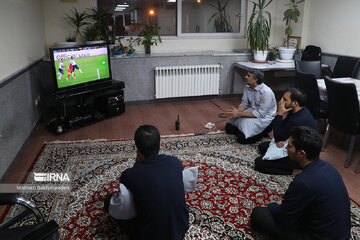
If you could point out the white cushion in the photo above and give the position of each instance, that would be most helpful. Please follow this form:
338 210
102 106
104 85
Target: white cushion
189 178
274 152
122 205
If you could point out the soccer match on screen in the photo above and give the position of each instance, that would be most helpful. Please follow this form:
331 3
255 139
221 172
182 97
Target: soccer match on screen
80 65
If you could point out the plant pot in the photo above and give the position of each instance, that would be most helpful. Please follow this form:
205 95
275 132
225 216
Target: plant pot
95 42
117 53
66 44
147 49
286 53
260 55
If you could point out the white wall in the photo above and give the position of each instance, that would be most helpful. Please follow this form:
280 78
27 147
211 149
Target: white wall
334 26
56 27
22 35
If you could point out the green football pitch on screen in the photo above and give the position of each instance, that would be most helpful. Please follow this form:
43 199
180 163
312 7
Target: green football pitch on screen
93 68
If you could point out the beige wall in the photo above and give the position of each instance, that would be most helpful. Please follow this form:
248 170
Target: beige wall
334 26
22 35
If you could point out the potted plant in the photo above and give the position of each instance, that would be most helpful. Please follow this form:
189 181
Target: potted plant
146 37
92 35
221 18
131 51
118 50
272 52
290 14
258 32
100 19
77 20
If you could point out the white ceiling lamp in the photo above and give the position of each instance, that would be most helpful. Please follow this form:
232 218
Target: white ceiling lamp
119 9
122 5
171 1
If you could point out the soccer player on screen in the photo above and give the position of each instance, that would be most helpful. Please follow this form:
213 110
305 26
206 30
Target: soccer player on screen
70 70
74 66
61 66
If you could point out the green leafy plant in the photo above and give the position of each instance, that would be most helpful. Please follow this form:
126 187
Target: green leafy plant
77 20
221 18
92 33
272 54
259 25
131 42
291 14
101 19
146 37
121 46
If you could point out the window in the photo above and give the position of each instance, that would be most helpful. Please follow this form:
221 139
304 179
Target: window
212 17
178 17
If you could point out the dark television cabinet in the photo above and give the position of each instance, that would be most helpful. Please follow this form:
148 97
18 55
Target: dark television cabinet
87 104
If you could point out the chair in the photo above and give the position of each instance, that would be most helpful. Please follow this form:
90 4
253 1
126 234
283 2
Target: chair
313 67
343 111
38 231
311 53
345 67
308 84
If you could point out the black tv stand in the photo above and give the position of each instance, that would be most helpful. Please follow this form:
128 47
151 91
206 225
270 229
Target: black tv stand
87 104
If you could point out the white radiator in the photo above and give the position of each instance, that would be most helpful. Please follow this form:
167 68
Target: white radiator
185 81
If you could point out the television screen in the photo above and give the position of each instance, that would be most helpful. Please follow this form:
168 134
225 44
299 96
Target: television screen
80 65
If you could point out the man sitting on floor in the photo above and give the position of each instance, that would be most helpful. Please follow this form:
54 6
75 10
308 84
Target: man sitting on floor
250 121
316 205
156 182
291 113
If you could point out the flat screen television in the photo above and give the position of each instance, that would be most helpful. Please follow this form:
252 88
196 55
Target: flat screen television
80 65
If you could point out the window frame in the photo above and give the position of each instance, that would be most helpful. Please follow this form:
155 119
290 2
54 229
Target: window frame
240 34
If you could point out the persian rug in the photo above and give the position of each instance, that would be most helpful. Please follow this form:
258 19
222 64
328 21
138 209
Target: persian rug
227 189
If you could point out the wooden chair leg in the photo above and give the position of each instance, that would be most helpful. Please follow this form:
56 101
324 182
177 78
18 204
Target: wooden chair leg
351 147
326 136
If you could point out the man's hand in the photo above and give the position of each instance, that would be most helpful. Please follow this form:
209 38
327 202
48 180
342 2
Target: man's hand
281 109
271 134
233 113
280 144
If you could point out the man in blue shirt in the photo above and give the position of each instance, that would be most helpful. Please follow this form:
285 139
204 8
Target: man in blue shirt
316 205
251 119
291 112
156 182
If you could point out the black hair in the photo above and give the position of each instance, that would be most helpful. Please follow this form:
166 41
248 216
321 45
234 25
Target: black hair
258 75
297 95
307 139
147 140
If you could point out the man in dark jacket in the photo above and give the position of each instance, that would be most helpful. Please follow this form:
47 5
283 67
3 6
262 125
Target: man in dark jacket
156 182
291 112
316 205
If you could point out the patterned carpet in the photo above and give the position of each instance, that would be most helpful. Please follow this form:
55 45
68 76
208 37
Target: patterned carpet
227 190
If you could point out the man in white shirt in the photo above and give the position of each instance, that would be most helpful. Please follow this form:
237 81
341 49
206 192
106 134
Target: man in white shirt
251 120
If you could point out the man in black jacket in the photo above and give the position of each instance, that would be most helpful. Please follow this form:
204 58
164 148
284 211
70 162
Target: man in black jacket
316 205
156 182
290 113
